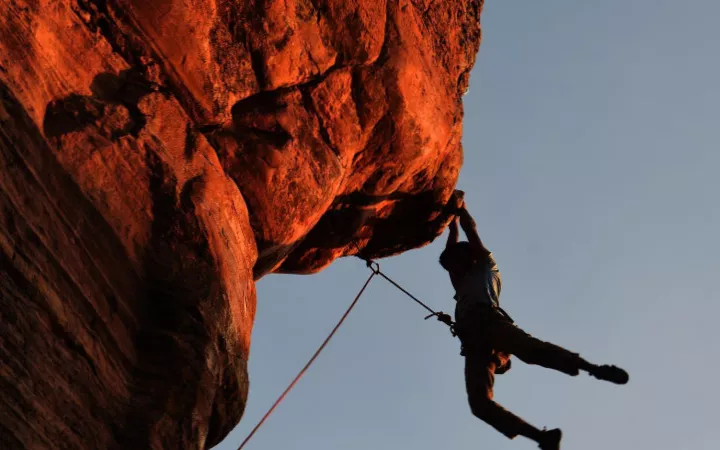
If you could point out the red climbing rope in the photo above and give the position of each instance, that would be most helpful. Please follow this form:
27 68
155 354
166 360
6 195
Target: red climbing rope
309 363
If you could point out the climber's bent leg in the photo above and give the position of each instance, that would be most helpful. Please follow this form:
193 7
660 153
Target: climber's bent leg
506 337
479 380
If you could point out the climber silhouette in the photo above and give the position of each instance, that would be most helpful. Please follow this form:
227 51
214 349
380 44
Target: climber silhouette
489 336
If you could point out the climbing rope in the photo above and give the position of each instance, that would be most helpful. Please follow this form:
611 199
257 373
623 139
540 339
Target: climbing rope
309 363
375 269
441 316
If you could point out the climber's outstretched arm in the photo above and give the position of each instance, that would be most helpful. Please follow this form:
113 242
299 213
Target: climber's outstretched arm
454 233
468 225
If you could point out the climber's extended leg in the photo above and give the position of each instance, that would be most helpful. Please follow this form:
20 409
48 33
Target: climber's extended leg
506 337
479 381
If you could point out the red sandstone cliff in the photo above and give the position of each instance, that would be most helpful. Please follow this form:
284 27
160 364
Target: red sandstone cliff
157 157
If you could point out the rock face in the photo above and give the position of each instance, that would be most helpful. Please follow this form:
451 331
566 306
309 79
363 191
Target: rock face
158 157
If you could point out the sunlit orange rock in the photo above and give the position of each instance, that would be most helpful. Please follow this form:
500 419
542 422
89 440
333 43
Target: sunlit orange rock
158 157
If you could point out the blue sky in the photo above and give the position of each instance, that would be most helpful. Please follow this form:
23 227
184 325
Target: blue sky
592 138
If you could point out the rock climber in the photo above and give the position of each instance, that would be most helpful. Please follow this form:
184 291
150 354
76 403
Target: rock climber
489 336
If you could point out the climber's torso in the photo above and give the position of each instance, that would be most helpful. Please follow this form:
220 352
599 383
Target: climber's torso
478 291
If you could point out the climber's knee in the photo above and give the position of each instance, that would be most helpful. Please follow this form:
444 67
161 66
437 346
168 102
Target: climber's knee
482 407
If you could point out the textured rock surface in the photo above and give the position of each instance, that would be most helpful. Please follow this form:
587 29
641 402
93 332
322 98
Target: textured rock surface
158 157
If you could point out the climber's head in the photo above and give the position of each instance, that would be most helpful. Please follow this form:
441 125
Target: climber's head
457 258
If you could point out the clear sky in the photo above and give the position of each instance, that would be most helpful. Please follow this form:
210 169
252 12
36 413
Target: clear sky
592 142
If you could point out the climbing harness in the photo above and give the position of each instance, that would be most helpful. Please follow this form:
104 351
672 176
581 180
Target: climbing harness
375 269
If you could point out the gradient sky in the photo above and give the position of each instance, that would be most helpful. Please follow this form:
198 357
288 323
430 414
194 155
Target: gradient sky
592 150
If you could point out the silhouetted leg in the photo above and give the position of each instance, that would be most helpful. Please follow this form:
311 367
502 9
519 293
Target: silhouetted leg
506 337
479 381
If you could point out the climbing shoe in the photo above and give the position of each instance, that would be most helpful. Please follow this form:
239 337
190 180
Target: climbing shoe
609 373
550 439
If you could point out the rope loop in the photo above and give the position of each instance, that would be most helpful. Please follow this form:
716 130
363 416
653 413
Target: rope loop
374 266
